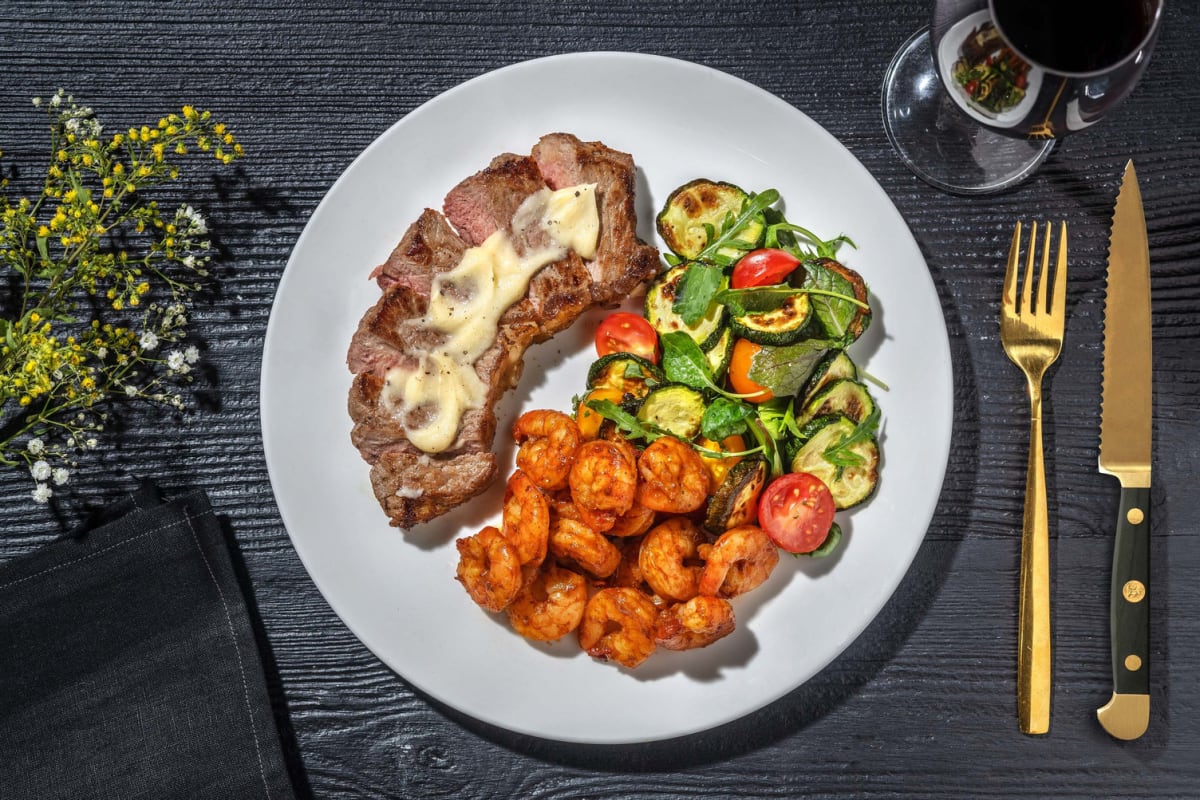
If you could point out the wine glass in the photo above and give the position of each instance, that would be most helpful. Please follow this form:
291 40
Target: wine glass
975 102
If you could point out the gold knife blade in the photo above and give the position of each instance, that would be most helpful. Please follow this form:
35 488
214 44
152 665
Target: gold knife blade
1125 453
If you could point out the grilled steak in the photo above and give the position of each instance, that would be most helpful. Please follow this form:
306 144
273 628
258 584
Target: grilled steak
413 486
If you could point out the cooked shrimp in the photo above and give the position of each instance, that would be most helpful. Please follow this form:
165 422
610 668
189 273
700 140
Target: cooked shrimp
525 520
562 507
489 569
590 551
550 605
669 559
618 625
603 482
548 441
673 477
634 522
697 623
741 559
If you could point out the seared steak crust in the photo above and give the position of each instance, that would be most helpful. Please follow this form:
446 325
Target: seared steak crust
414 487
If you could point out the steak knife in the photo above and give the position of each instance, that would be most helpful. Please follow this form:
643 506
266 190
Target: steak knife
1125 438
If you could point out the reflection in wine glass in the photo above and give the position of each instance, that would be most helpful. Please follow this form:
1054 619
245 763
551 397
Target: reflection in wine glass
975 103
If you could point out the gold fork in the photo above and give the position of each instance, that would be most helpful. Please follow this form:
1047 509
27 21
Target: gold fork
1032 333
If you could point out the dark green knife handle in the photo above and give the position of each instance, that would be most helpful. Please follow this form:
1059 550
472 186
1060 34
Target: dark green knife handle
1131 594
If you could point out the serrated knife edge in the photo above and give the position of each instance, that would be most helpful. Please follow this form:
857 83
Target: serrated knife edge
1126 393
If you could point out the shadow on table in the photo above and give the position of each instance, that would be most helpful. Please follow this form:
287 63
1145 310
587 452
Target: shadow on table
853 669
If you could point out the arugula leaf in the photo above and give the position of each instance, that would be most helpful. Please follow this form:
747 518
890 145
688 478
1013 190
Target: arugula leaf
627 423
724 418
732 226
684 362
785 369
817 247
840 453
700 282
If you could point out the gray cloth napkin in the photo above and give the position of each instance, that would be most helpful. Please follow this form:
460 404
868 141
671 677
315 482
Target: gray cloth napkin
128 665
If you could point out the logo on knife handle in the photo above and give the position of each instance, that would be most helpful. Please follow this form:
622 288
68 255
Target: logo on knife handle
1134 591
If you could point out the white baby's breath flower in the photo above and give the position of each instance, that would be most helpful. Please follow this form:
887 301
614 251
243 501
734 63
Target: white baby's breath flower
101 352
191 354
37 102
91 444
42 493
40 470
36 447
149 340
55 101
61 476
175 360
131 390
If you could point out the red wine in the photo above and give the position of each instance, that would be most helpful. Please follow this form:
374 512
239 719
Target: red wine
1074 35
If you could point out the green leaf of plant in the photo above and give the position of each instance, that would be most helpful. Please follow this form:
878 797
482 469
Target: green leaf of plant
779 418
699 284
833 301
829 545
730 229
784 370
627 423
803 242
684 362
755 300
724 418
841 453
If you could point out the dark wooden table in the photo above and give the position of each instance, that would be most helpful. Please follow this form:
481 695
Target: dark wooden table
923 703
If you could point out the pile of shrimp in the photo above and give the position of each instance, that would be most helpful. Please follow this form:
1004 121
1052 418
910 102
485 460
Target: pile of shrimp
601 539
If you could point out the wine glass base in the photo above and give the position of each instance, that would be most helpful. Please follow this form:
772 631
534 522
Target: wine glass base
940 143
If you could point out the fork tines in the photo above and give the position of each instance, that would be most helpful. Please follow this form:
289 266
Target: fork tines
1049 305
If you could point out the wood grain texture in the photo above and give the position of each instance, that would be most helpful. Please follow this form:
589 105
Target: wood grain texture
922 705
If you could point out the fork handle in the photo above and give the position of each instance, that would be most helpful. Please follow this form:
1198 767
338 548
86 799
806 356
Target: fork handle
1033 640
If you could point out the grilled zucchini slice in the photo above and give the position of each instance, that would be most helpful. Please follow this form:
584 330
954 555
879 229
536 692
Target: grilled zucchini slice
660 310
736 499
842 396
779 326
694 213
835 365
624 371
675 408
720 354
849 485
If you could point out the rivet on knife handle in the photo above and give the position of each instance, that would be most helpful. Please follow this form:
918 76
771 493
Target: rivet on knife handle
1127 714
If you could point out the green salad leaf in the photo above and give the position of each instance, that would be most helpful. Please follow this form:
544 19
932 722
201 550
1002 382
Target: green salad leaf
724 418
697 288
785 369
833 301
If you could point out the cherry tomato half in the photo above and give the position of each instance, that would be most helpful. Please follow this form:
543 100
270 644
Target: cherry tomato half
763 267
624 332
739 372
796 511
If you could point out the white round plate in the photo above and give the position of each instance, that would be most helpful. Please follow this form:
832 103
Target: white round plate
396 590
